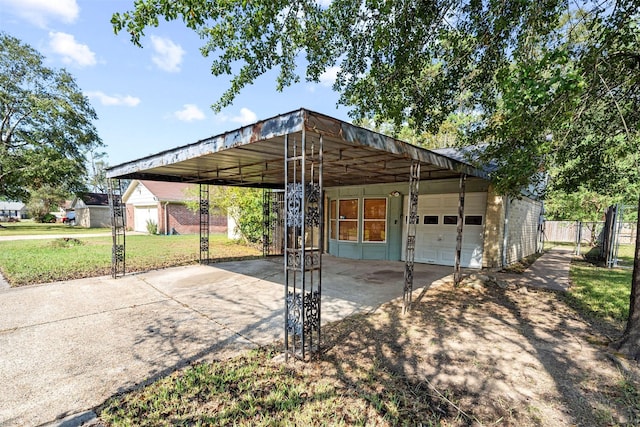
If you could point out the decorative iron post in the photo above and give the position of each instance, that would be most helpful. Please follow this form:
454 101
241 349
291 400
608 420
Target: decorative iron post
414 182
272 222
457 275
303 246
118 226
204 223
266 221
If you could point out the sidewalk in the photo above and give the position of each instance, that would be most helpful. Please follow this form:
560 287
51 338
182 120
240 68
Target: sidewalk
550 271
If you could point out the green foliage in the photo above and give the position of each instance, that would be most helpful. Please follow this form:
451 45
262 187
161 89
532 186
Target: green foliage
244 205
46 218
580 205
46 124
546 84
45 200
152 227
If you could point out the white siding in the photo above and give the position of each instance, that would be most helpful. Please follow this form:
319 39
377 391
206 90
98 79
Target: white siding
522 228
141 196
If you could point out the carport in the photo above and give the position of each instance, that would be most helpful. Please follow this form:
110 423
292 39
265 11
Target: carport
294 157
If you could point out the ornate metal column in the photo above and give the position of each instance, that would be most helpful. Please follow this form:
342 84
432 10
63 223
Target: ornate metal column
303 245
204 223
457 275
272 222
118 226
414 182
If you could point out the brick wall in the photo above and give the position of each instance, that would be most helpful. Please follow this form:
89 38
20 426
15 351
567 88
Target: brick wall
129 217
184 221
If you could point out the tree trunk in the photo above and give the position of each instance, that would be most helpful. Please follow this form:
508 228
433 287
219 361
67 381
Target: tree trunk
629 343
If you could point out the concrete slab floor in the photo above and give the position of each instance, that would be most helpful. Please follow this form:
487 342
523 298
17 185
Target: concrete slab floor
66 347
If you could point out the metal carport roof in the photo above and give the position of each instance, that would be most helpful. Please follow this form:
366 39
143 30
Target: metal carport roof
253 156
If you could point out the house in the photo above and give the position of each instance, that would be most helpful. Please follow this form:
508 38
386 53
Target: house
12 210
366 190
164 204
333 187
92 210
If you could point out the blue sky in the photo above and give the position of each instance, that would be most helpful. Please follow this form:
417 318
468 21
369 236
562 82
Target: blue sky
155 98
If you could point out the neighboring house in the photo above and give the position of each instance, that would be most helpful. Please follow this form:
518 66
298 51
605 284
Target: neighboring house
92 210
164 203
9 210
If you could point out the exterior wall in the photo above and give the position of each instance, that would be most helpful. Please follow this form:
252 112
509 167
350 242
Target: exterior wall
141 196
522 228
184 221
391 249
129 219
93 217
493 230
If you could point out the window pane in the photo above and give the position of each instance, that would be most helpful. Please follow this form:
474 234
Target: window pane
375 208
431 219
332 210
473 220
349 209
333 233
374 231
450 219
348 230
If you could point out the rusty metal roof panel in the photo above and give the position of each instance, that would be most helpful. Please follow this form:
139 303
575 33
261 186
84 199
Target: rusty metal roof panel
254 156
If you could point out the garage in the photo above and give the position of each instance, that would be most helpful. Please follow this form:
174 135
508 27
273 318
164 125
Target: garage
142 214
436 230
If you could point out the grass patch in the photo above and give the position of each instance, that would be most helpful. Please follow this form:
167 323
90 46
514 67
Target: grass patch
600 292
247 390
30 228
253 390
25 262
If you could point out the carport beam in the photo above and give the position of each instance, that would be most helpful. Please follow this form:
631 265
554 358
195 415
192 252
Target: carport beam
204 223
414 182
457 275
118 224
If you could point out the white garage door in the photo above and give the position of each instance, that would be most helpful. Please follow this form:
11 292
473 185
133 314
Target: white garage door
143 213
436 230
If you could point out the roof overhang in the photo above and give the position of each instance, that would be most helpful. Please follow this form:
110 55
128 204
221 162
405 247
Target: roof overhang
253 156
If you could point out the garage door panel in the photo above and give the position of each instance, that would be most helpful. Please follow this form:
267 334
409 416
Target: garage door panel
142 214
436 243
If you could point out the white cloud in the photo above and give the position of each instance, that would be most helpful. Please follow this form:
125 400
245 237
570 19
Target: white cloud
114 100
189 113
71 51
328 77
168 55
245 117
39 12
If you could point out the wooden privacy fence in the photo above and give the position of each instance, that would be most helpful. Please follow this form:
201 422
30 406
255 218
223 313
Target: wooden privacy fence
566 231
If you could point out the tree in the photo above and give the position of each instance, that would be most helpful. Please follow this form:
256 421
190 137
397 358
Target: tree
46 124
97 179
244 205
45 200
553 84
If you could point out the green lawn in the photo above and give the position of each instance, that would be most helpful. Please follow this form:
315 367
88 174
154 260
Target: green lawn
25 262
602 292
33 228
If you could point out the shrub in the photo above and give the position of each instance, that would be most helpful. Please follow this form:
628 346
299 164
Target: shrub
152 227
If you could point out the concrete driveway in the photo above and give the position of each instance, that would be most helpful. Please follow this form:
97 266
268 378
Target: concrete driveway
65 347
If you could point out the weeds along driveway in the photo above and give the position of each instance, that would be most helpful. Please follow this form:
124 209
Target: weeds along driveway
66 347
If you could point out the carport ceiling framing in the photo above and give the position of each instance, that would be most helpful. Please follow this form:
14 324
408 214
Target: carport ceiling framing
253 156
